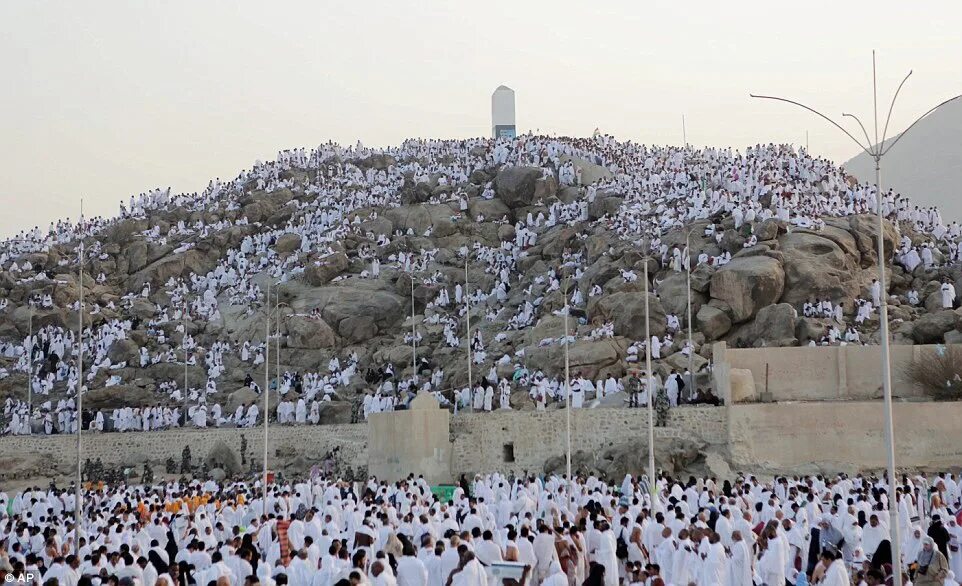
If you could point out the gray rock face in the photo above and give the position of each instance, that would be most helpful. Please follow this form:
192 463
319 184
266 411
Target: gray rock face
242 396
775 326
932 327
864 228
134 257
354 312
673 292
604 204
489 209
816 268
748 284
589 359
712 322
626 310
419 218
309 333
124 351
329 267
118 396
590 172
768 229
174 265
335 412
515 186
288 243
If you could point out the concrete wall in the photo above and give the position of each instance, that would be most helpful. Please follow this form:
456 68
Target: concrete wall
835 373
415 440
807 437
480 439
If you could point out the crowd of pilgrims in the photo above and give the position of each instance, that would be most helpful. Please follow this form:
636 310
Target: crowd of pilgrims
664 189
521 530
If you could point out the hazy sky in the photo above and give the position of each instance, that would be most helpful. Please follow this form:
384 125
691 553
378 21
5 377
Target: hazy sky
105 99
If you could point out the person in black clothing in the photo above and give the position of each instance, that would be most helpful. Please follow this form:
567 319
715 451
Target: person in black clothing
940 535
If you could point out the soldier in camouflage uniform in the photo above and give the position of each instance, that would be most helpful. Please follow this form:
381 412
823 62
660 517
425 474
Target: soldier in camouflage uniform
661 408
634 390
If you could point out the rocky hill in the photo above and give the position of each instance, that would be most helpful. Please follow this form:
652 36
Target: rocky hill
770 229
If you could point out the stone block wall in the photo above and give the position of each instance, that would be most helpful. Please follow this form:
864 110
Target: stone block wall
56 456
481 441
849 437
831 373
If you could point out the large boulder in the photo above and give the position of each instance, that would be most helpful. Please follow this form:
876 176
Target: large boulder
109 398
309 333
515 186
142 308
673 292
379 161
490 209
748 284
546 187
242 396
816 268
864 228
590 172
287 243
701 278
587 359
932 327
775 326
357 328
356 313
133 257
183 264
331 412
626 310
712 322
323 271
125 350
419 218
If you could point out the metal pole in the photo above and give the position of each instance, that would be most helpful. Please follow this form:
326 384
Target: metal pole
277 334
267 383
887 384
649 386
567 404
691 341
78 497
684 132
30 375
184 341
467 305
414 333
876 152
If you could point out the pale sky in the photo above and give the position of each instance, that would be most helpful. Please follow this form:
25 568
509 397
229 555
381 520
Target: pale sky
104 99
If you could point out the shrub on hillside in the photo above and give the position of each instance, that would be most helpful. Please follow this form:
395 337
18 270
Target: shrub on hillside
939 373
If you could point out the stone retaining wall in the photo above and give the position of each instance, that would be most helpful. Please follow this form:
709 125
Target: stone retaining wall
27 457
782 437
481 440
